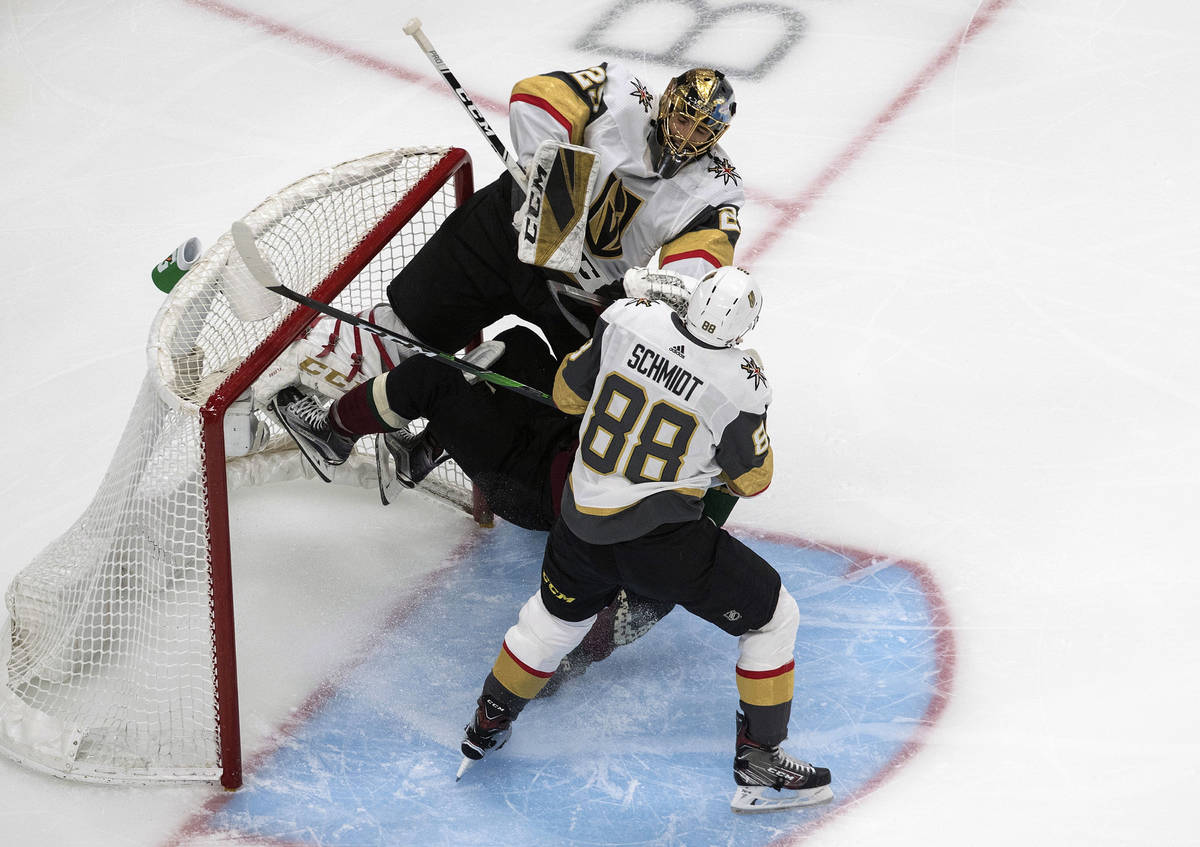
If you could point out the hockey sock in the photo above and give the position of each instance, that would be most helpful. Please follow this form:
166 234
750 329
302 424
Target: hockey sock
766 725
493 688
364 410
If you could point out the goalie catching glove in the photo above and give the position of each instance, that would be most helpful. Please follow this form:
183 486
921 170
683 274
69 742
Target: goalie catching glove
672 288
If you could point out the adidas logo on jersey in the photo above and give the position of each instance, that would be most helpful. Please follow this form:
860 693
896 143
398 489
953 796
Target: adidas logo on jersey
678 351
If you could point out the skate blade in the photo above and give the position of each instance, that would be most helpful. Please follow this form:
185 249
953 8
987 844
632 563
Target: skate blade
756 799
462 768
390 485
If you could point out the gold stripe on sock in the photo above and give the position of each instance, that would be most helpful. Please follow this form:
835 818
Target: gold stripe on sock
518 677
766 688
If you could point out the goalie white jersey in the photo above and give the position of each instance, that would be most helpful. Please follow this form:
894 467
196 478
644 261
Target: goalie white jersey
665 418
692 216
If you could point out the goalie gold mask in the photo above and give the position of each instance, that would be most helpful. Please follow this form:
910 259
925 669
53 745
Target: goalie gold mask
693 113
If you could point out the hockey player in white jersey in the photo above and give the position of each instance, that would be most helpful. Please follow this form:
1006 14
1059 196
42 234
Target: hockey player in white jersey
670 407
664 186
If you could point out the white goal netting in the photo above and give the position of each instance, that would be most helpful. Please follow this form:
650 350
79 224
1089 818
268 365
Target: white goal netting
117 660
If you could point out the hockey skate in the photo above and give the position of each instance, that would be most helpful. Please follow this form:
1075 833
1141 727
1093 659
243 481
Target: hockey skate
403 459
308 423
769 779
483 355
490 727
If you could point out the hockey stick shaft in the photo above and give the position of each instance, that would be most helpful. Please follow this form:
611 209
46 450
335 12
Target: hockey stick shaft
413 28
243 239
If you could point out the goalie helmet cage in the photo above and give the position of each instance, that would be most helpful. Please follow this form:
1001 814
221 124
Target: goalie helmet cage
120 661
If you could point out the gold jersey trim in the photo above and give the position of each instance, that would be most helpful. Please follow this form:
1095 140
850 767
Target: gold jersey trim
596 511
714 242
754 481
560 97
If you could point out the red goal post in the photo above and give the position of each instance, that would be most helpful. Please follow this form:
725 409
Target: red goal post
119 662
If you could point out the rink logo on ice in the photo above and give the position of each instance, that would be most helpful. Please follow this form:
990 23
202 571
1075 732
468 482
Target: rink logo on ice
615 31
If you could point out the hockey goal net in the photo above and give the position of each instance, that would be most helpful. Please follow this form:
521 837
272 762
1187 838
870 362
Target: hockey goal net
118 660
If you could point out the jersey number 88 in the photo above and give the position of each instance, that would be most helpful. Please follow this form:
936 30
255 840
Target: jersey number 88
662 439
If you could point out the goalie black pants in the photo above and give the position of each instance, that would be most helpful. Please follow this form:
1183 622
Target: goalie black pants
467 276
507 444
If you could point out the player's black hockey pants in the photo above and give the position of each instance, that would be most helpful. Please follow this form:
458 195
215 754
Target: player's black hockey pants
504 442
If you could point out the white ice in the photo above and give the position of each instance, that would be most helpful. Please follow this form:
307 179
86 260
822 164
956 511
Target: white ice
982 330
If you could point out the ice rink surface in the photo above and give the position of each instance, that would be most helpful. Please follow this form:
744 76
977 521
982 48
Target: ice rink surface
977 228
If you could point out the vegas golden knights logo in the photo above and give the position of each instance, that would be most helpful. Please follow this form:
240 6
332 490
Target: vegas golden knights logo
610 215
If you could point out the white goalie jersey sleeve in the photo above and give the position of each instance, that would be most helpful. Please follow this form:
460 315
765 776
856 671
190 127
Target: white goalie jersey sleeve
664 418
690 220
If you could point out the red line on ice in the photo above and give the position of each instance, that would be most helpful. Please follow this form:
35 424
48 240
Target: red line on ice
789 211
197 826
786 211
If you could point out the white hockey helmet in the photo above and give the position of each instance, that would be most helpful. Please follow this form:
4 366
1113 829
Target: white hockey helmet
724 307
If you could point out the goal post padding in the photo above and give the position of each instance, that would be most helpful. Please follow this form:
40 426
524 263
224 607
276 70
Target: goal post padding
119 662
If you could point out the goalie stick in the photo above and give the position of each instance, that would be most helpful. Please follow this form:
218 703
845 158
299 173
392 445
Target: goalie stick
413 28
558 188
261 270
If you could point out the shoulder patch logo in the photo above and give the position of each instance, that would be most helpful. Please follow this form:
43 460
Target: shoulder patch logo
642 93
754 371
678 351
638 301
724 169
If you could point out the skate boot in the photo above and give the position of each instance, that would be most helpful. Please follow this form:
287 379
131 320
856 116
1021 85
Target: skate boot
490 727
308 423
415 455
770 779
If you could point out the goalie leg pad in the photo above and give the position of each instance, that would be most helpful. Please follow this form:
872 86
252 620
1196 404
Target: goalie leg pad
332 357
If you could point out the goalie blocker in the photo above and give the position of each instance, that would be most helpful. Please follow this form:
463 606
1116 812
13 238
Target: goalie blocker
551 223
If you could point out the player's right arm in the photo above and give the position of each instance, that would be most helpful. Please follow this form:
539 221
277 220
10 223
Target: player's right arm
556 105
576 376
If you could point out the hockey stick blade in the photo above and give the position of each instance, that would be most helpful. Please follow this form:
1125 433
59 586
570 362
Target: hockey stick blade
260 269
577 293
